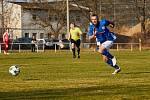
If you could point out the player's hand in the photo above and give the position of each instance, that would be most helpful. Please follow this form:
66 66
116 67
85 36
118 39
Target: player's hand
6 45
112 25
94 35
95 31
69 39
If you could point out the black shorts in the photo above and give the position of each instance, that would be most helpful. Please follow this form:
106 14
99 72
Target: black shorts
77 42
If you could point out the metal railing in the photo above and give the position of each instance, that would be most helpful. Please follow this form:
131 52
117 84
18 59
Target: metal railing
41 47
131 45
122 46
19 45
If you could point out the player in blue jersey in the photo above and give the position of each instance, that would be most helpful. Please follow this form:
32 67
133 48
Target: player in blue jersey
104 38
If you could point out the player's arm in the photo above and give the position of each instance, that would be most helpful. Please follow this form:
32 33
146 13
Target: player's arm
4 37
79 32
106 23
92 37
91 33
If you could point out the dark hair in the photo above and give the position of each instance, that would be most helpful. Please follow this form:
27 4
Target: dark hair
6 29
95 15
73 24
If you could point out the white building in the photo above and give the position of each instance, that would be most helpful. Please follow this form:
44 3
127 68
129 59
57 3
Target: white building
29 17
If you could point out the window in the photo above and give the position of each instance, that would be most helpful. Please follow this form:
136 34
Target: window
65 18
50 18
78 18
140 0
55 18
34 17
34 34
26 35
41 35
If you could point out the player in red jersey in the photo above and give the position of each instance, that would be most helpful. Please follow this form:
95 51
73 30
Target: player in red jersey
6 41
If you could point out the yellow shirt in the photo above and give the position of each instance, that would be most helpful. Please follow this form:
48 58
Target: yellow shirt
75 33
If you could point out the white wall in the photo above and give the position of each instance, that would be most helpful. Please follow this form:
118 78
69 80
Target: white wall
29 26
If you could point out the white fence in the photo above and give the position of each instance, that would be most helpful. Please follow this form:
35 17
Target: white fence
131 45
20 47
121 46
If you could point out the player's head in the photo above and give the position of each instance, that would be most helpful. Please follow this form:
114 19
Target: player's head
94 19
72 25
6 30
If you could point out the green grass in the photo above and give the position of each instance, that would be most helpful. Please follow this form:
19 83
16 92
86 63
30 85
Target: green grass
56 76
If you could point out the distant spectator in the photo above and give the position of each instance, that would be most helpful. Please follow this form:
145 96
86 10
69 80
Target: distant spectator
6 41
33 41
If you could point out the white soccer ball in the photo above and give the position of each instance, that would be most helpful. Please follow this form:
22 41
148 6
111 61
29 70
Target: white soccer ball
14 70
61 46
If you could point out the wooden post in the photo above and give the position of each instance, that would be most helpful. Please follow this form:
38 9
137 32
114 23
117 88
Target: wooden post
0 49
117 47
131 47
19 48
55 48
140 44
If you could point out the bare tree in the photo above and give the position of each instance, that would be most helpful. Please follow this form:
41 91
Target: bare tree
10 17
52 17
141 15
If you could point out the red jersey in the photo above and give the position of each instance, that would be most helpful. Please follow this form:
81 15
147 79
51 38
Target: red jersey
6 37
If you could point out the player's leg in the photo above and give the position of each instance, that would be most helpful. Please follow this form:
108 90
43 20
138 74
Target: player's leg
78 47
73 48
107 57
31 47
103 49
109 62
34 48
6 48
105 52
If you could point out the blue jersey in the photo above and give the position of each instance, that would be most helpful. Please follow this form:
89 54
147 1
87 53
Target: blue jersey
102 32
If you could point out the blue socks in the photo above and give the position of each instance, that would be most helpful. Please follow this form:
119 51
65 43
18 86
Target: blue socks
109 62
107 54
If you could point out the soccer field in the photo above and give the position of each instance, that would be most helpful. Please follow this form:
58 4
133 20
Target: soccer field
56 76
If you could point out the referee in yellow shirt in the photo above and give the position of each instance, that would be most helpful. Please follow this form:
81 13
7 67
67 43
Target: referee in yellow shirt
75 33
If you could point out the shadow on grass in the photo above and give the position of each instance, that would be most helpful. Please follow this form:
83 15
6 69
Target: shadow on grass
27 58
142 91
146 72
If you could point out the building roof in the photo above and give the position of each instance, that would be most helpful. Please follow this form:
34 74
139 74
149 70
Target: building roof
24 1
34 3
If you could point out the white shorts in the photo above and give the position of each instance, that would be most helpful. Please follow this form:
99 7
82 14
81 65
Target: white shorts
107 44
98 43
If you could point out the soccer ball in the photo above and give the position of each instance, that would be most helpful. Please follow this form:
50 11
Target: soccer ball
61 46
14 70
